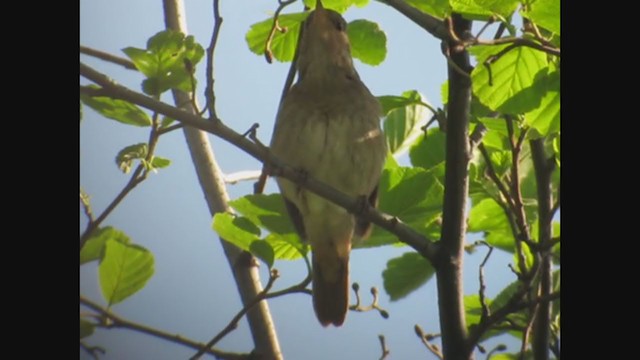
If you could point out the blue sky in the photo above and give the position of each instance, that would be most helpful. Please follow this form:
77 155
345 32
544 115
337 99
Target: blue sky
192 292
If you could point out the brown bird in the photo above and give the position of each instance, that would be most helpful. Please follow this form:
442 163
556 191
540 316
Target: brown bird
328 126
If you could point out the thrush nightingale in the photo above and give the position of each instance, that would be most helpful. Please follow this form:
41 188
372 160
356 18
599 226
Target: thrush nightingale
328 126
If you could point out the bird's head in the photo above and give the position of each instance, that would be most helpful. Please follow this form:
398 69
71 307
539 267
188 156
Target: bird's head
324 43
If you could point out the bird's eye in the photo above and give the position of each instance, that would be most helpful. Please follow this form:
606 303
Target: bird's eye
340 24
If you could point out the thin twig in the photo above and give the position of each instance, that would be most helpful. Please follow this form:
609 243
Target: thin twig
383 345
110 320
526 333
374 304
139 175
92 350
108 57
425 340
275 27
209 91
233 324
86 205
258 187
515 42
426 247
491 172
485 26
485 309
516 193
239 176
169 129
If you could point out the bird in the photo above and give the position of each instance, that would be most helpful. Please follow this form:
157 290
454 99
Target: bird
328 127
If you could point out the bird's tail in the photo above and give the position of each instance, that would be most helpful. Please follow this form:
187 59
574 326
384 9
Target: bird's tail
330 287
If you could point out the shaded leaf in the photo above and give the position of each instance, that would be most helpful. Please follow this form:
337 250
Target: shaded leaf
266 211
516 78
439 8
124 269
263 251
237 230
414 195
368 41
402 124
168 61
283 45
119 110
545 13
86 328
126 156
93 249
405 274
545 119
483 9
429 150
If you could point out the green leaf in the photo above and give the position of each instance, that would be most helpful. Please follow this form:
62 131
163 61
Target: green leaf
487 216
392 102
483 9
545 13
496 136
286 247
337 5
439 8
166 122
405 274
429 151
368 41
264 251
516 78
283 46
237 230
402 125
126 156
473 308
160 162
414 195
545 119
168 62
266 211
93 249
118 110
86 328
124 269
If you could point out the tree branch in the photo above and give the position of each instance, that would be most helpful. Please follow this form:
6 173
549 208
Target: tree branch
542 322
374 304
425 338
383 346
233 324
108 57
431 24
392 224
449 262
110 320
243 265
209 92
139 175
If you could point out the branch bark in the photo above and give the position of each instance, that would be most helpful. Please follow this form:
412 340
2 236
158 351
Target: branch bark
431 24
450 257
243 265
113 320
404 233
542 321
